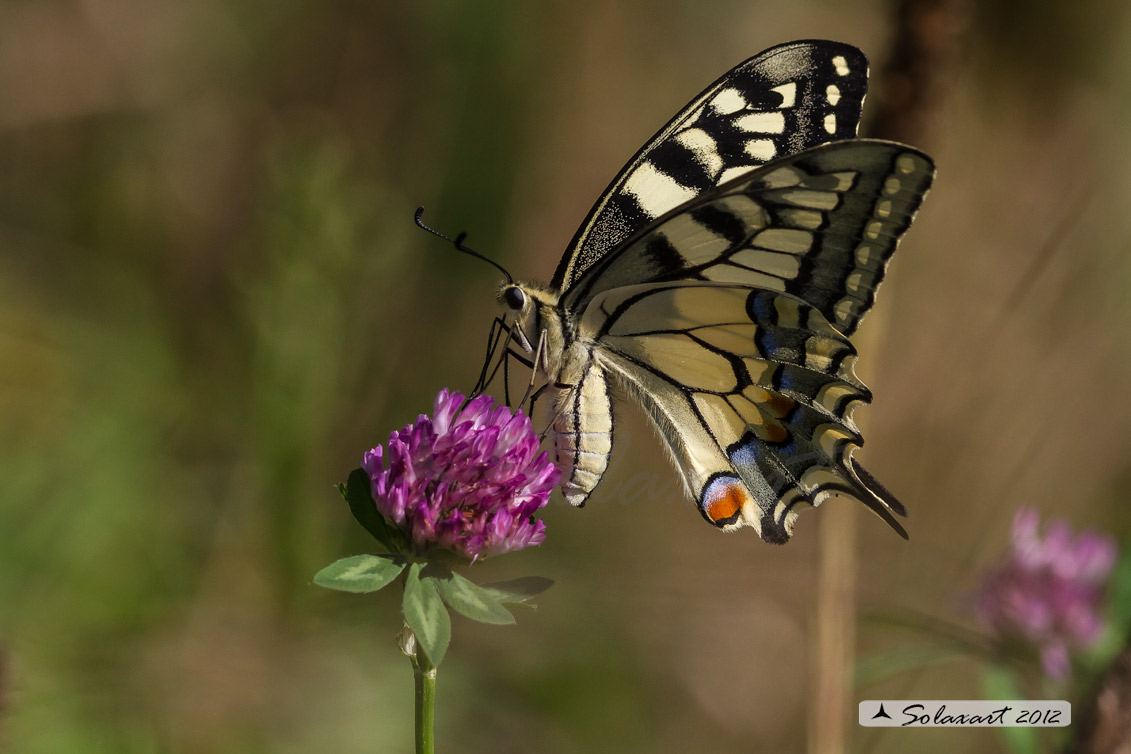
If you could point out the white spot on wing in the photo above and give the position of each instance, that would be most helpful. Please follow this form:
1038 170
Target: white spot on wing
734 172
830 123
766 123
728 101
704 147
788 94
832 94
656 192
841 65
761 149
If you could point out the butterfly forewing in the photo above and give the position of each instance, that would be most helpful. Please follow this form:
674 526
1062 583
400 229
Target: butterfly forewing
778 103
820 225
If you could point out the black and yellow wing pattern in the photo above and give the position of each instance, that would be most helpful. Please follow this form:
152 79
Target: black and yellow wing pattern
728 319
779 102
717 282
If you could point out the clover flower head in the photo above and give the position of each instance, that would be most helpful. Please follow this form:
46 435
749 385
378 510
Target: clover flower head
1050 590
468 479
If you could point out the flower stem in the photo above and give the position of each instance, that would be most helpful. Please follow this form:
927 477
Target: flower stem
425 673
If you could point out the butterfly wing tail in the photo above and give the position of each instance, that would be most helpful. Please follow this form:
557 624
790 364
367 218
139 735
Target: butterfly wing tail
878 498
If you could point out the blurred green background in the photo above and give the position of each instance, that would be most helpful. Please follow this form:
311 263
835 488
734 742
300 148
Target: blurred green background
213 300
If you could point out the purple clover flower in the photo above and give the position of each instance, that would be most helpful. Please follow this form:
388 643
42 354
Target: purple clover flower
1050 591
468 480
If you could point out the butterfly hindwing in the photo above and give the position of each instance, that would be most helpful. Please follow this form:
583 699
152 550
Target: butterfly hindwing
752 390
778 103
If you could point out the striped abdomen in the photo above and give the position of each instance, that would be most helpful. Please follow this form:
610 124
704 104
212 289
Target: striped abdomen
583 433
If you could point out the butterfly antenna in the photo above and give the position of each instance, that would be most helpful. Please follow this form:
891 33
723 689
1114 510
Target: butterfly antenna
458 243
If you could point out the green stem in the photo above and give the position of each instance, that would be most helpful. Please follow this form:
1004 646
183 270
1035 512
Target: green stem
425 673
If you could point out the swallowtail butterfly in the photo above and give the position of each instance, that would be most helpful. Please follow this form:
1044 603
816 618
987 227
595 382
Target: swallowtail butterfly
716 282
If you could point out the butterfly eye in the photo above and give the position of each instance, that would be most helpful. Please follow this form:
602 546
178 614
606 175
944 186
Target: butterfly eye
514 298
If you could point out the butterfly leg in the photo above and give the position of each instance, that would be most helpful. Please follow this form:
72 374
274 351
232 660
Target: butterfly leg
506 363
488 372
494 335
539 361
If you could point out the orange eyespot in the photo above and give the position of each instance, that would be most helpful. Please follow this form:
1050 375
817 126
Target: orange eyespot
724 500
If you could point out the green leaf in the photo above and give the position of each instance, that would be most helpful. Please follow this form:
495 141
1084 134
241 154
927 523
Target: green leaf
426 615
517 591
1001 683
471 600
360 573
357 493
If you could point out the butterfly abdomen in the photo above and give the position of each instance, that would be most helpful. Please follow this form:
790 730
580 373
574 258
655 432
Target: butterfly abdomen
583 431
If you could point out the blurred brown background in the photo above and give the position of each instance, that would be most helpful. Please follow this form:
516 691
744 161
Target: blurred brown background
213 299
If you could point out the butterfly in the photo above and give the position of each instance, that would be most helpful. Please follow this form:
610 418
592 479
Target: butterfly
716 283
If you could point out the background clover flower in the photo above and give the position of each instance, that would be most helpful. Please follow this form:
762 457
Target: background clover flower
467 479
1050 590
